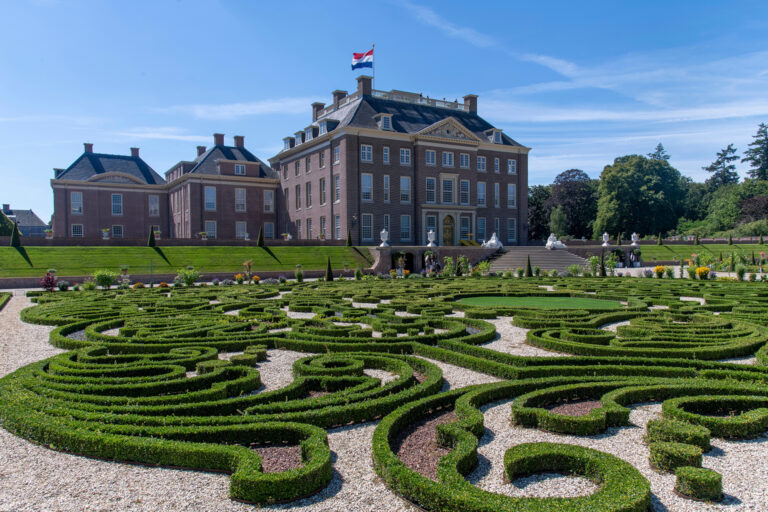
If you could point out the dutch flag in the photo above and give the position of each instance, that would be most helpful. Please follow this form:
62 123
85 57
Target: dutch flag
362 60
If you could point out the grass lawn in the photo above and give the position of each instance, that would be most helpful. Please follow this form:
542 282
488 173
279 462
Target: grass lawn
668 252
78 261
543 302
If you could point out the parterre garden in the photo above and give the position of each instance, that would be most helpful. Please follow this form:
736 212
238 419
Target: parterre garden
143 381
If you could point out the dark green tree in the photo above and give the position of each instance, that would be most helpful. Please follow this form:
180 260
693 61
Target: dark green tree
731 264
328 270
151 239
6 225
528 269
260 238
757 154
15 236
539 210
602 264
558 222
730 239
761 239
723 170
658 240
349 239
576 194
696 239
659 153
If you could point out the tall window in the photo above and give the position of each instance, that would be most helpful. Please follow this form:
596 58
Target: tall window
511 230
447 191
308 193
430 157
511 195
240 169
297 168
307 165
464 227
239 199
480 229
76 203
386 188
385 155
154 206
481 193
366 227
511 166
496 165
496 195
323 227
321 157
431 190
77 230
496 226
297 197
386 123
481 163
210 228
269 230
337 227
117 231
464 192
336 155
386 222
336 187
405 189
322 191
464 160
117 204
366 187
497 137
405 156
309 229
240 229
405 227
298 228
269 201
210 199
366 153
431 225
447 159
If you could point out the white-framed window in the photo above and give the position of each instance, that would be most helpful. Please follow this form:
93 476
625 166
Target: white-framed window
405 189
386 123
210 228
308 194
240 169
323 129
446 187
117 204
481 194
447 158
385 155
323 227
430 157
298 229
210 198
511 195
77 230
496 226
464 223
496 199
336 155
322 191
366 186
76 204
366 153
241 228
307 165
405 227
154 205
297 197
337 226
511 166
287 143
269 201
497 137
240 200
297 167
431 190
269 230
321 158
430 225
511 230
405 156
308 134
480 229
309 229
386 223
464 160
117 231
496 165
386 188
481 163
336 187
366 225
464 192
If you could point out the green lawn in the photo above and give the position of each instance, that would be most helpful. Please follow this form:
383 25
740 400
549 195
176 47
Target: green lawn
668 252
77 261
542 302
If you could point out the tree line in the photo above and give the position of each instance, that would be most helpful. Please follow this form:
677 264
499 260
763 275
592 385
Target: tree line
646 195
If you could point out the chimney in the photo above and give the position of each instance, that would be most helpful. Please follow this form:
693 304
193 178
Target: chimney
338 96
200 150
239 141
364 85
218 139
135 152
316 108
6 207
470 103
57 172
88 147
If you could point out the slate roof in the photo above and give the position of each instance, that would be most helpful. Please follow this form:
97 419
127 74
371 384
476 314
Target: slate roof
207 163
25 218
407 117
91 164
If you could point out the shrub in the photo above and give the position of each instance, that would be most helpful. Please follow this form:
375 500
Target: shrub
678 431
520 272
358 274
699 483
575 270
537 271
104 278
163 285
528 270
90 285
669 272
187 276
48 282
299 274
668 455
659 271
137 286
260 238
328 269
63 285
741 270
151 240
702 273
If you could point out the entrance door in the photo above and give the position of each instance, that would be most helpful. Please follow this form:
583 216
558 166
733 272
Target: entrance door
448 228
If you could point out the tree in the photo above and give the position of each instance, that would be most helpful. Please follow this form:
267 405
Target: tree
757 154
659 153
349 239
558 223
696 240
260 238
576 194
638 194
722 170
15 236
328 270
151 240
602 264
6 225
539 210
528 270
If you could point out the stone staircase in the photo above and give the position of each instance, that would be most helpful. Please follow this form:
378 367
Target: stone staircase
514 257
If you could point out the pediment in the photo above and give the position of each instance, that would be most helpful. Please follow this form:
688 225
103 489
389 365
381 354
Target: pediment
449 129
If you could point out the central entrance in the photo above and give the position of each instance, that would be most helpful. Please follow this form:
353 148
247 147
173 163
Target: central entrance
448 228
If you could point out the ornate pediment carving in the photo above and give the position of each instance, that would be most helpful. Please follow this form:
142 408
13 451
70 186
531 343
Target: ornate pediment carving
449 129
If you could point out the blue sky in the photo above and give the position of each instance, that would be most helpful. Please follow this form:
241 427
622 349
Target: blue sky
579 82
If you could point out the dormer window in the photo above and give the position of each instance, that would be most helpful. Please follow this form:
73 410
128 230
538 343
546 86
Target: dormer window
287 143
323 128
496 137
308 134
299 137
386 123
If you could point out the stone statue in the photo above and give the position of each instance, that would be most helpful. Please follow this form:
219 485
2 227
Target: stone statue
384 235
554 243
431 238
635 238
493 243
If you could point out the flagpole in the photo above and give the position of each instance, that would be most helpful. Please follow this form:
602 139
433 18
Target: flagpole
373 66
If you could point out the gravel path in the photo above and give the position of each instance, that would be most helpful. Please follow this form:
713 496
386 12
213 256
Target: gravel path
510 339
20 343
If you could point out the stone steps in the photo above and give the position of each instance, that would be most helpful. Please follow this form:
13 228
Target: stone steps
514 257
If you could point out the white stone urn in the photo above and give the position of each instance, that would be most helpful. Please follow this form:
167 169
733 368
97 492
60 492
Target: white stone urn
431 238
384 235
606 237
635 238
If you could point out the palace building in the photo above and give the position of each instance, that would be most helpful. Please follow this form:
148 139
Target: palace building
369 161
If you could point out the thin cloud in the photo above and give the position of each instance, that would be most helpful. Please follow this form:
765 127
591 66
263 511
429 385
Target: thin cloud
429 17
162 133
230 111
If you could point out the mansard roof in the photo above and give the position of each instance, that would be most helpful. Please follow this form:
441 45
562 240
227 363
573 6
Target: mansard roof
89 166
207 163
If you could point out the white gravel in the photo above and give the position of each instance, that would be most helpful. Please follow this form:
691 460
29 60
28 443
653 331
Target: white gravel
20 343
457 377
510 339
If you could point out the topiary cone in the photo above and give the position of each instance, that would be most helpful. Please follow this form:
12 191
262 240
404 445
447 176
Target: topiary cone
696 240
349 239
151 239
602 265
15 236
260 238
658 240
328 270
528 270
